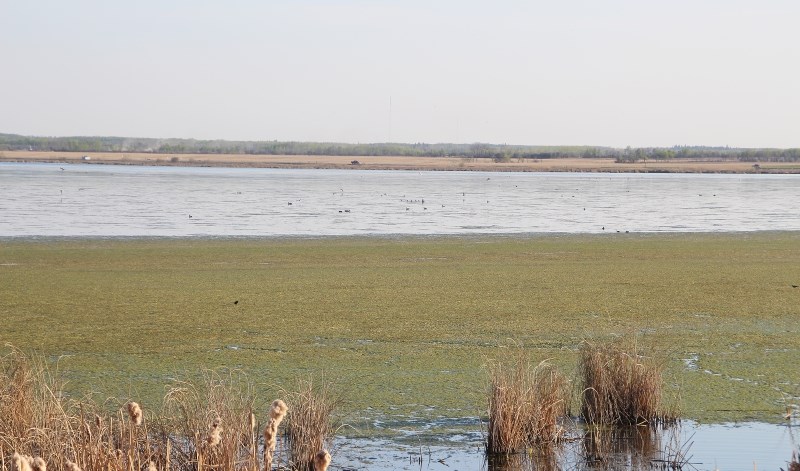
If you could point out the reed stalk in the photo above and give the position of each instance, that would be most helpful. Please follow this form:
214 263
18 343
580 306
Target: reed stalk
525 404
621 386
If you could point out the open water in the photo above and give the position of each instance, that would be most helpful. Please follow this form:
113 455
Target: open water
108 201
699 447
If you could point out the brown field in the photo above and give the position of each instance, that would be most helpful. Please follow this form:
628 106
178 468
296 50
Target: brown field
399 162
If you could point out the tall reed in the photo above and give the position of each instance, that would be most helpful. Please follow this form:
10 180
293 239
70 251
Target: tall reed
621 386
309 429
525 404
207 425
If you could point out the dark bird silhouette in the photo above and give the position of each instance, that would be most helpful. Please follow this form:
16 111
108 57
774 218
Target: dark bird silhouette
795 286
236 302
190 216
62 168
290 204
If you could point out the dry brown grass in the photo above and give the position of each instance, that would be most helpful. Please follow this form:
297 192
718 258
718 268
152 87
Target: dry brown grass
309 429
209 425
400 162
525 405
620 386
44 429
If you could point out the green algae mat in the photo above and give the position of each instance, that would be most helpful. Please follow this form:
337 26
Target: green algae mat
405 326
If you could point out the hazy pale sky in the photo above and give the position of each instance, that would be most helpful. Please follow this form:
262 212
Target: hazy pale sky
594 72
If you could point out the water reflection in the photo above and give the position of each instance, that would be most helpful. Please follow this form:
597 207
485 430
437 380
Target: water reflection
659 448
596 448
621 448
543 458
697 447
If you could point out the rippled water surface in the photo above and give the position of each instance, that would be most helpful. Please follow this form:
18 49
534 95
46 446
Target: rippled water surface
103 200
725 447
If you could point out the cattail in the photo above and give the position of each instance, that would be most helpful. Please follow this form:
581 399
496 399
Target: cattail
270 433
135 413
215 433
98 421
321 460
20 462
39 464
252 422
278 411
72 466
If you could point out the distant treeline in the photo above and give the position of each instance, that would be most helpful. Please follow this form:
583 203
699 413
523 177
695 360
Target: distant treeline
499 152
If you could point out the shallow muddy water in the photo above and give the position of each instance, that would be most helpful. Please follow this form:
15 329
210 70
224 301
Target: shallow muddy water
703 447
108 201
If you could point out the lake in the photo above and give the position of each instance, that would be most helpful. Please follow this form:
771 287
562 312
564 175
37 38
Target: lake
704 447
122 201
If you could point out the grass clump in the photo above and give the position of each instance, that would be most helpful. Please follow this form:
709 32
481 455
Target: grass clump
620 386
207 425
525 404
309 429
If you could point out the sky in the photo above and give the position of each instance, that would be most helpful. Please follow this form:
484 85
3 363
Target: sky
573 72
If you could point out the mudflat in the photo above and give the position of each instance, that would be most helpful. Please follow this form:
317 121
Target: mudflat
402 163
405 326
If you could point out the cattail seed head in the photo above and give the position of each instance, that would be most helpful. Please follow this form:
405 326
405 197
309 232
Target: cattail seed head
252 422
321 460
278 410
152 467
215 433
20 462
270 433
39 464
135 413
72 466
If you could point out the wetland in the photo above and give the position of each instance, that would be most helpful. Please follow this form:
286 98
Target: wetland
405 324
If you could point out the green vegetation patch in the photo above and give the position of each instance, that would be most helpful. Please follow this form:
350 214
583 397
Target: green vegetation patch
405 326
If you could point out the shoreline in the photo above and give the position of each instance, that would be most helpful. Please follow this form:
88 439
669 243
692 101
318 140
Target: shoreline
519 236
400 163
